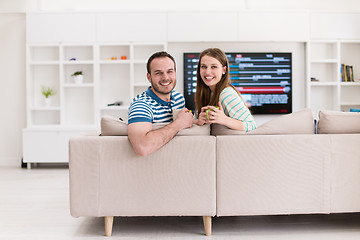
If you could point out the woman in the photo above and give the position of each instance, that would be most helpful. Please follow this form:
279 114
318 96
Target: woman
214 89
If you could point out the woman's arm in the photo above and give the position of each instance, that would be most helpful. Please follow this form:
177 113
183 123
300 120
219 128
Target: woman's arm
234 114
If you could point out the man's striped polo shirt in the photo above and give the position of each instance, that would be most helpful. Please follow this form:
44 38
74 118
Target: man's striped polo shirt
148 107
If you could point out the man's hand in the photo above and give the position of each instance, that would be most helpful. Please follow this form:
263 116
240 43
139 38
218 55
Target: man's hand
145 140
185 119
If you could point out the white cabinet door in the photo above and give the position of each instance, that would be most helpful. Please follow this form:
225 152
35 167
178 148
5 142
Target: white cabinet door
136 26
60 27
48 146
335 26
202 26
273 26
41 146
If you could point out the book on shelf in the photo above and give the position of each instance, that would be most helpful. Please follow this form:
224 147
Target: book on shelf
347 73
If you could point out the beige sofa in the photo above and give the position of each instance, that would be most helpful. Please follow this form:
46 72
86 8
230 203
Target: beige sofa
280 168
108 179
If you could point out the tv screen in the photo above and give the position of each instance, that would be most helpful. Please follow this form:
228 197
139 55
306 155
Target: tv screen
263 79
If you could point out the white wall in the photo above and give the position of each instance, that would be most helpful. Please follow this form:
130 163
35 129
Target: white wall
12 87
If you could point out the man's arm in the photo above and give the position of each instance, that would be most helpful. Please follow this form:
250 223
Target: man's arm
145 140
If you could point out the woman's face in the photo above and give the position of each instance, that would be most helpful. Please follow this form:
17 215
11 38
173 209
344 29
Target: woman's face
211 71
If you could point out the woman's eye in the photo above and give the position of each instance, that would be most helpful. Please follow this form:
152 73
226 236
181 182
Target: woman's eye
213 67
203 67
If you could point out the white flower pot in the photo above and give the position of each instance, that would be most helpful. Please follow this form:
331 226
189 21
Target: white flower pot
78 79
47 102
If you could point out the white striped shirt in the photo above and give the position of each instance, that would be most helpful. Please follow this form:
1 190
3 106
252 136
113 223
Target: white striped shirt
234 107
148 107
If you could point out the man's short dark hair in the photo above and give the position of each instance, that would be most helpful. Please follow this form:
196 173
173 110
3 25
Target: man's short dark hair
158 55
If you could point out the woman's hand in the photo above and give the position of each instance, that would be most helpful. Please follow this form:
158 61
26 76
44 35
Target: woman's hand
216 115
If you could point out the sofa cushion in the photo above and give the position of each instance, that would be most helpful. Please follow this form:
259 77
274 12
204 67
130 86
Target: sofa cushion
299 122
111 126
338 122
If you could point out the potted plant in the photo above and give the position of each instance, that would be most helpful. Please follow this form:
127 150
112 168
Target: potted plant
47 92
78 77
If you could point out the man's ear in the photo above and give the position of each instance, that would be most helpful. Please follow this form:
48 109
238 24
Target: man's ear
148 77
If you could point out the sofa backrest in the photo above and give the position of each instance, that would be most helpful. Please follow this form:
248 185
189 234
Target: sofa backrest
111 126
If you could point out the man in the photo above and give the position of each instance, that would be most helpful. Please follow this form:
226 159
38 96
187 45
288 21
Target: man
155 105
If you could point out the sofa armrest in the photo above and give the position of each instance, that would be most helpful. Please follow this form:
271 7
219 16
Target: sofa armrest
84 174
107 178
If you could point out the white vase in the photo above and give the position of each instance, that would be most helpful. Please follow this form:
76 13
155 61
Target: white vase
47 102
78 79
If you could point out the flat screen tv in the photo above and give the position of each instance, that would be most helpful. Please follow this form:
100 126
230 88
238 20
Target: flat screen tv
263 79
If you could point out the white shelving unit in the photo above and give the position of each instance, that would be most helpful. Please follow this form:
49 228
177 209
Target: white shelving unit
324 59
105 37
112 72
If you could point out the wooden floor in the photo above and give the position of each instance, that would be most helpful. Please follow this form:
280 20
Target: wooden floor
34 204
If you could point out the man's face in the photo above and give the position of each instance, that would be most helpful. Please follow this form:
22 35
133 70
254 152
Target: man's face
162 75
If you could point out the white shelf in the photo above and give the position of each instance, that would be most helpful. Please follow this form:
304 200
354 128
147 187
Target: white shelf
350 84
77 108
82 85
350 103
324 62
324 84
77 62
114 62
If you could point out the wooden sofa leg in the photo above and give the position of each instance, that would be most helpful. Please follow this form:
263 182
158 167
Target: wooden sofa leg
108 226
207 225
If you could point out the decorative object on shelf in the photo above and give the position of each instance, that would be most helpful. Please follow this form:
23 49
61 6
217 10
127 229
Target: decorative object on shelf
118 103
347 73
123 57
354 110
47 92
78 77
314 79
72 59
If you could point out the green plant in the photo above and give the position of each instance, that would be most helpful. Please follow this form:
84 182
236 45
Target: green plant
48 91
77 73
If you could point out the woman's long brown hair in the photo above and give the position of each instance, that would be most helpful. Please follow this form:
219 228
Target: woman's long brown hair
203 95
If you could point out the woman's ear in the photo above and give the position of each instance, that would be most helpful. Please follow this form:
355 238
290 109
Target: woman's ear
224 68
